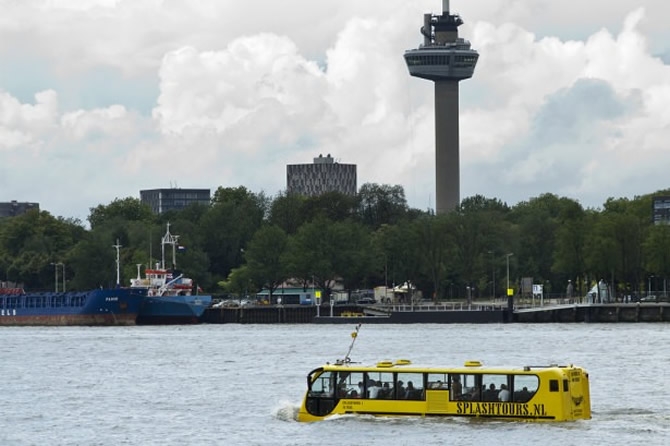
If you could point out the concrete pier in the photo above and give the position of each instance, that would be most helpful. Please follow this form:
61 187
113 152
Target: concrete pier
601 313
301 314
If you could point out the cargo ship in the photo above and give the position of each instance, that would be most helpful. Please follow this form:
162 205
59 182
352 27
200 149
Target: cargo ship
118 306
171 298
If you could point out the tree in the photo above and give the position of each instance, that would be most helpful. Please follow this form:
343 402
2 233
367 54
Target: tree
225 230
537 223
263 255
619 234
326 251
657 251
399 250
127 209
381 204
334 206
239 282
286 212
570 249
31 242
93 261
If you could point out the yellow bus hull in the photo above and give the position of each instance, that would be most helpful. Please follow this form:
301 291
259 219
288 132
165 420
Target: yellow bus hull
561 393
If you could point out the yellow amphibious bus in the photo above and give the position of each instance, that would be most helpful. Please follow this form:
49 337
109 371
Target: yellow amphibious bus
394 388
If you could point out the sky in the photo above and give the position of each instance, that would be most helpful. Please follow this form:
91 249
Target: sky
100 99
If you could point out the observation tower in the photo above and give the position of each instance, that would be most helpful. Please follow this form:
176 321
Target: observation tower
445 59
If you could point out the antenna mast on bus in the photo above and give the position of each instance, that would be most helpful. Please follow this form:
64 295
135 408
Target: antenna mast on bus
354 335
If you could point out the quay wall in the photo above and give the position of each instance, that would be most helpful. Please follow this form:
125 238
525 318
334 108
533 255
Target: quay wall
600 313
301 314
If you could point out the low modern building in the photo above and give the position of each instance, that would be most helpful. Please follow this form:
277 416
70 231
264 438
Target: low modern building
164 200
324 175
14 208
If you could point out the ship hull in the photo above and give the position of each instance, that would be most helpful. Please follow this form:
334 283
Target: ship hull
97 307
167 310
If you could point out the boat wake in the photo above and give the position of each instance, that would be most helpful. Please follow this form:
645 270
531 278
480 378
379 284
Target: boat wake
287 411
623 411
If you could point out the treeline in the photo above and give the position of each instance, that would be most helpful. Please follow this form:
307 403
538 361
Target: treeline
247 241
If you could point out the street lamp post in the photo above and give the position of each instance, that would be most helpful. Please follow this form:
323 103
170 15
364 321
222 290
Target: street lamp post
55 265
508 256
493 276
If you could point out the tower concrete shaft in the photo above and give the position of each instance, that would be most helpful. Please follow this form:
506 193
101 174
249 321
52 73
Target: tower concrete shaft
447 161
445 59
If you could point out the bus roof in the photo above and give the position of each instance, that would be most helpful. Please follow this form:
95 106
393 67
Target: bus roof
404 365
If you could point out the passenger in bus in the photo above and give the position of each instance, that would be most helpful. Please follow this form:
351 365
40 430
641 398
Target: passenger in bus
522 395
400 391
503 395
491 394
373 389
342 390
385 393
353 394
456 387
475 394
412 392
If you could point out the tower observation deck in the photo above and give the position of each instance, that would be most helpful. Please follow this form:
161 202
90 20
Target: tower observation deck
445 59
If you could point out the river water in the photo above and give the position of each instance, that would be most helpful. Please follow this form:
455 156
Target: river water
242 384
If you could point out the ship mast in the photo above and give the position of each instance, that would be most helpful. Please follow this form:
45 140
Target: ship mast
118 263
169 239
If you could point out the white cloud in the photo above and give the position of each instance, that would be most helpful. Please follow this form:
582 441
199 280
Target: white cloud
23 125
567 97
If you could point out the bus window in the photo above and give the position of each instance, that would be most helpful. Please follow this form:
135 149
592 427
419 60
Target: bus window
492 385
456 387
466 386
379 385
438 381
409 386
525 387
323 385
351 385
472 387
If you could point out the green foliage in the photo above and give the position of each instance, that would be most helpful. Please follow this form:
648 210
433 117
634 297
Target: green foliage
31 243
263 256
327 251
381 204
656 249
235 216
245 241
239 282
287 212
93 261
333 206
125 209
